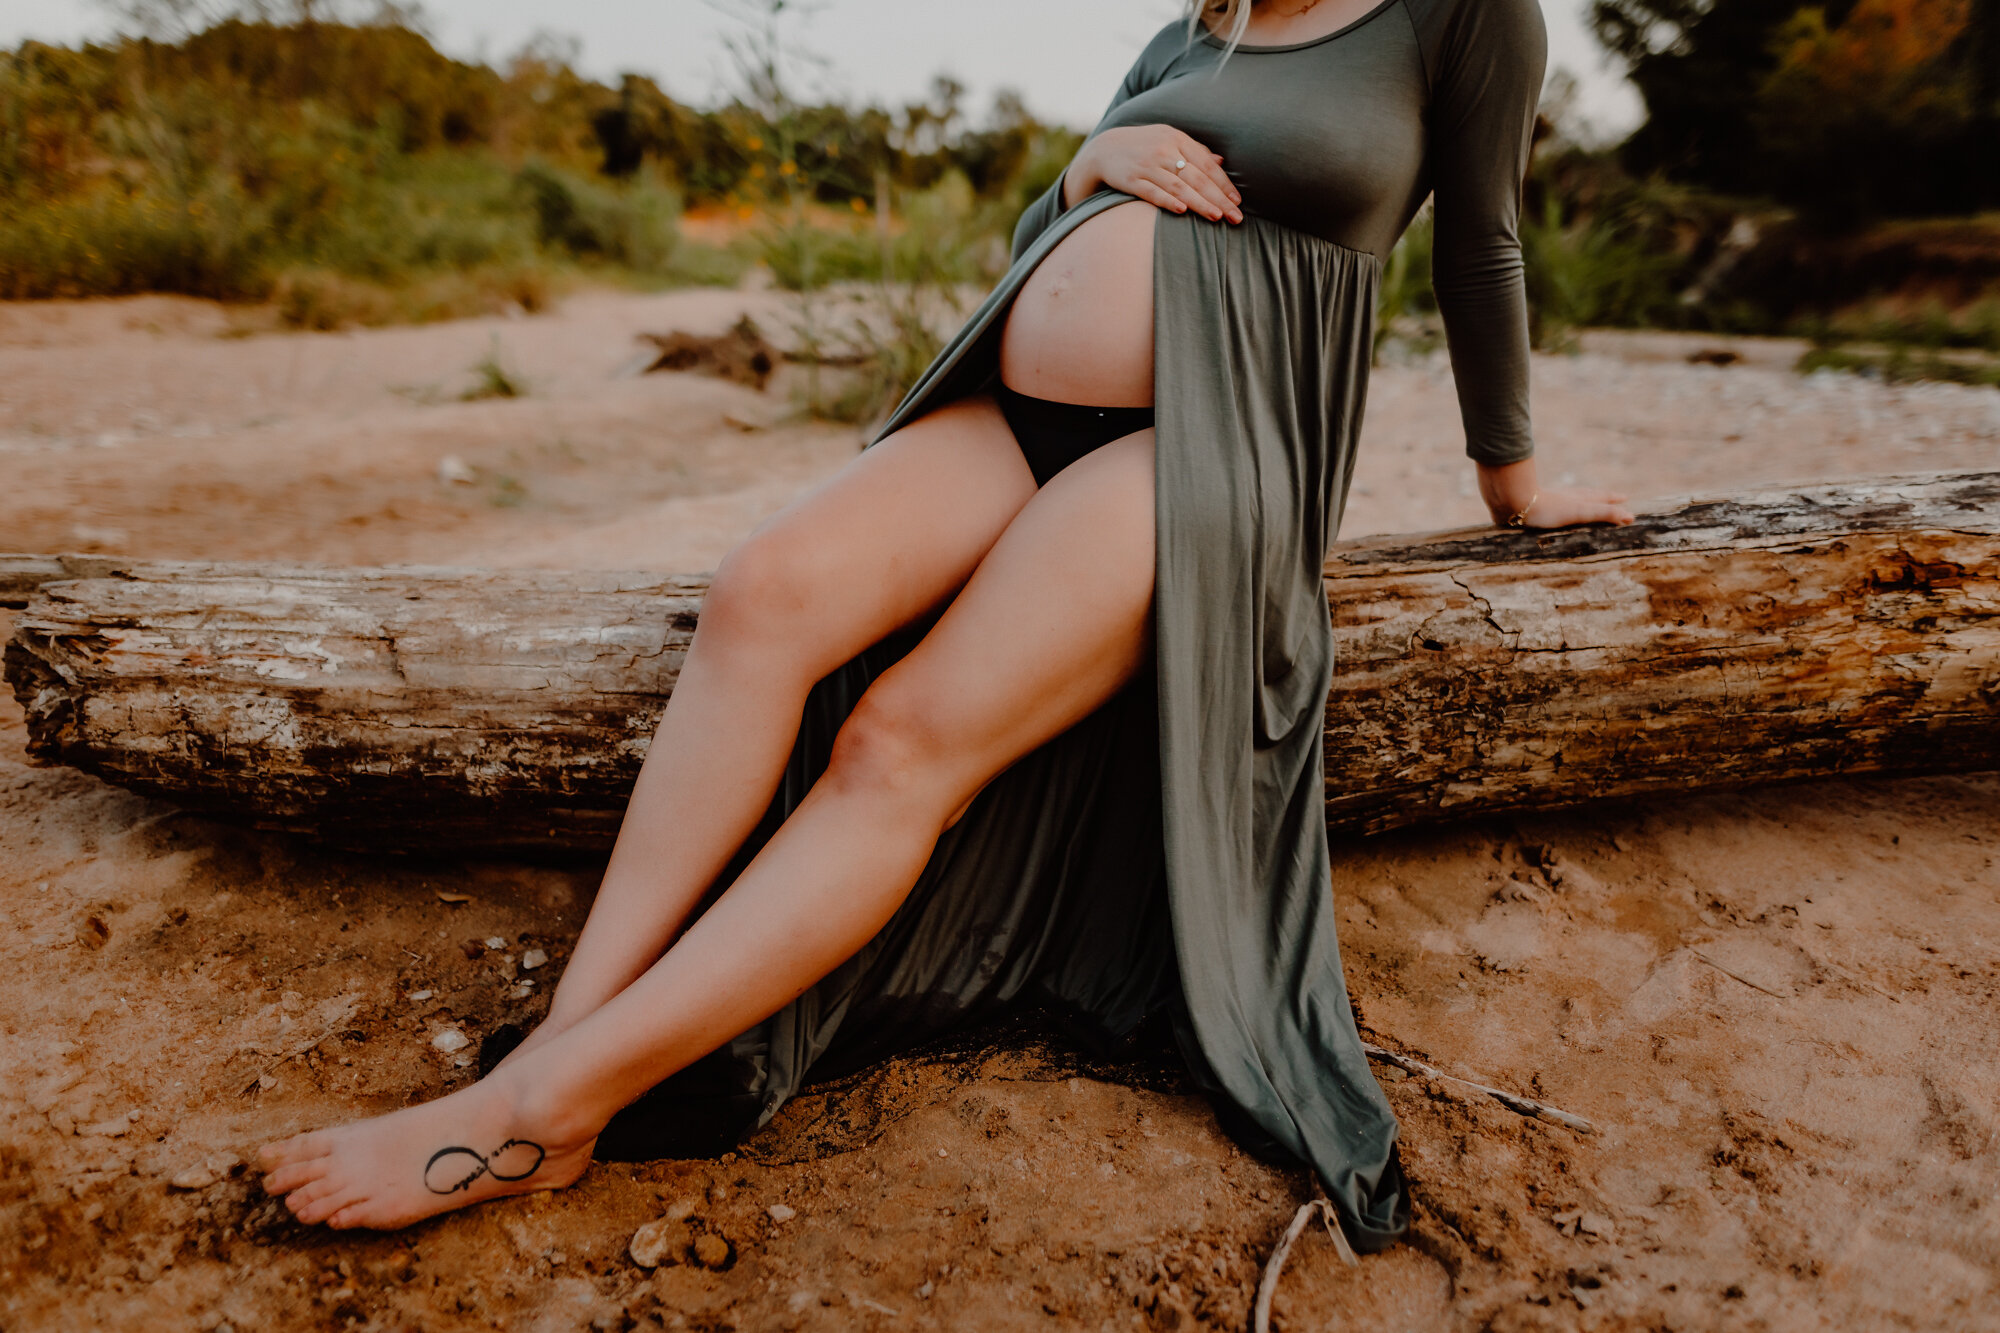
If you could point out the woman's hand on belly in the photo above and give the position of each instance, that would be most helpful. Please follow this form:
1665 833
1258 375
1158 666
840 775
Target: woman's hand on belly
1139 159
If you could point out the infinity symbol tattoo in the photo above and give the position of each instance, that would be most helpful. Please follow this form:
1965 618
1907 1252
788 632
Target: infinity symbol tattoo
485 1165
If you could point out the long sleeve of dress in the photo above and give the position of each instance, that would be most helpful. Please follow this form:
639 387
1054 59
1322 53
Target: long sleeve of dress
1038 216
1485 67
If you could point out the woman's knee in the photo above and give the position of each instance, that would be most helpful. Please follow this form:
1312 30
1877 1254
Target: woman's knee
891 744
761 591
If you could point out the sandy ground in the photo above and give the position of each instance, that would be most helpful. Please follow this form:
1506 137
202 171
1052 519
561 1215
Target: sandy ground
1779 1006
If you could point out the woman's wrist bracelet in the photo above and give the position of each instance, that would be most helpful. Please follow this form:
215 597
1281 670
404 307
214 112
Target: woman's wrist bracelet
1519 518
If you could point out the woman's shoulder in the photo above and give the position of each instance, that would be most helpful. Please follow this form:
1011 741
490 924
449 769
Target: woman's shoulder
1443 23
1462 33
1169 44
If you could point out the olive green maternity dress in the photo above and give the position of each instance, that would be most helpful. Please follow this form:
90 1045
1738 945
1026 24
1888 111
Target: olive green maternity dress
1169 853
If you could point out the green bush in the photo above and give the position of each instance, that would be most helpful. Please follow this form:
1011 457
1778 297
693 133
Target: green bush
633 227
1405 306
1901 364
1589 272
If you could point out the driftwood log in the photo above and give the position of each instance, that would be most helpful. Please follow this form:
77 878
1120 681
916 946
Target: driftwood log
1846 629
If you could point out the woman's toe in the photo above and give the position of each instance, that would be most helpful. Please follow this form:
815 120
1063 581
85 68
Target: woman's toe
294 1176
349 1216
307 1195
298 1148
326 1205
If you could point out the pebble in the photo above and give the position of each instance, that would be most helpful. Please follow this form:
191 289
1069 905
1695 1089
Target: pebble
1595 1225
1598 1225
661 1241
781 1213
449 1040
209 1171
711 1251
533 959
680 1210
419 996
495 942
455 471
109 1129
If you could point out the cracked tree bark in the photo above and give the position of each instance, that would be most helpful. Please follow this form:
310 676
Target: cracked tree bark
1840 630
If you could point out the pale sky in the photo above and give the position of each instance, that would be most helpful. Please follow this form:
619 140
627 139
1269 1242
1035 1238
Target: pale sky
1065 56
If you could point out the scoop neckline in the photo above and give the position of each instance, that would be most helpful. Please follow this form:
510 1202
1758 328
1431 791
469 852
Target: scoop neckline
1208 35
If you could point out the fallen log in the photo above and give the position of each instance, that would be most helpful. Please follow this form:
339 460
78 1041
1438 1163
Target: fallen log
1844 629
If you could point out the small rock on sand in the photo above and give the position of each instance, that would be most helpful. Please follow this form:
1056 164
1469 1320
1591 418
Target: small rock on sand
1598 1225
711 1251
202 1174
449 1040
781 1213
663 1241
533 959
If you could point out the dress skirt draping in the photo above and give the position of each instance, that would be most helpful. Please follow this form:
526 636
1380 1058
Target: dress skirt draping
1169 853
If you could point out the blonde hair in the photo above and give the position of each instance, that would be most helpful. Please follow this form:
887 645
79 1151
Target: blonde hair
1225 18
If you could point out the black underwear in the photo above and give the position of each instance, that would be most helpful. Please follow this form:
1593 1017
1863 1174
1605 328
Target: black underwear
1054 435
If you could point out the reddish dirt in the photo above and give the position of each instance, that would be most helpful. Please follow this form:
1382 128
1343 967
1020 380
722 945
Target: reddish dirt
1779 1007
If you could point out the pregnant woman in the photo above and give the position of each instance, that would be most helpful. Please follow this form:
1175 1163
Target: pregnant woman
1024 705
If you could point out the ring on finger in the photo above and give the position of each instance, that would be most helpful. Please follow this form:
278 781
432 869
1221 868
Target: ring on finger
1180 164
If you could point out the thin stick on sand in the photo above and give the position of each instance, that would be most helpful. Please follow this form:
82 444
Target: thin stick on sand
1526 1106
1322 1207
1268 1287
1736 976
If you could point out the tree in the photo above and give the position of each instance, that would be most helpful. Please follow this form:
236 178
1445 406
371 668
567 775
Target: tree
1871 115
1846 109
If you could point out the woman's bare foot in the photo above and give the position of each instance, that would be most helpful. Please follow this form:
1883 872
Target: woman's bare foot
479 1143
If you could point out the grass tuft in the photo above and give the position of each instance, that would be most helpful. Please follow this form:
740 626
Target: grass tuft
493 378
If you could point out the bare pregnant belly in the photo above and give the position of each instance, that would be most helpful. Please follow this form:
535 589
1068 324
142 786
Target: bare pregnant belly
1081 330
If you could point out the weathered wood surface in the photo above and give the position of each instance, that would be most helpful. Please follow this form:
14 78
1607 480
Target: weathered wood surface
1838 630
20 575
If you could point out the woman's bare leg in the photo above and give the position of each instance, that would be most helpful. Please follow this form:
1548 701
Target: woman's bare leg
1053 622
882 542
